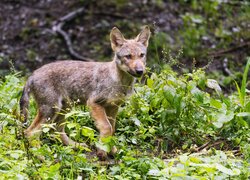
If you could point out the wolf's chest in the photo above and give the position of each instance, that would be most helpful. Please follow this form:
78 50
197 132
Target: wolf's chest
114 95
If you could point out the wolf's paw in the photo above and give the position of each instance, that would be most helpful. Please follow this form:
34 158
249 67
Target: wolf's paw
101 154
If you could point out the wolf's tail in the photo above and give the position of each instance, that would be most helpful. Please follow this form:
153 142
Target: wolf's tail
24 102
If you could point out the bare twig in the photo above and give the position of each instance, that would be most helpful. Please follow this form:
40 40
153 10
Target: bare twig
214 144
236 3
226 51
203 146
72 15
58 28
223 52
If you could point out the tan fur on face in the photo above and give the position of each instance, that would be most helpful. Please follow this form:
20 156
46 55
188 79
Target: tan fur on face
135 49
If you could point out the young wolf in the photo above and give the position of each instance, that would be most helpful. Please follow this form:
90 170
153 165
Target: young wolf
102 86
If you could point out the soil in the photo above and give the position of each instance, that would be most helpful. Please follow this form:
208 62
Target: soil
28 39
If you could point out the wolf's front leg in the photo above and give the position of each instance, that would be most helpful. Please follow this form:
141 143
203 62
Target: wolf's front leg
111 112
102 124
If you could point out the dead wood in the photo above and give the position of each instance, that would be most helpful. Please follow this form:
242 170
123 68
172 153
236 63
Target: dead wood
58 28
226 51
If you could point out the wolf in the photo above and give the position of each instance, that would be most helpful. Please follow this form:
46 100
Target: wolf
102 86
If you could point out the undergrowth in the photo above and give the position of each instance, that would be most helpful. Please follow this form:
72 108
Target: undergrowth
173 127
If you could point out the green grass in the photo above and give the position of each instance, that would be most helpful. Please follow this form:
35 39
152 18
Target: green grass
175 126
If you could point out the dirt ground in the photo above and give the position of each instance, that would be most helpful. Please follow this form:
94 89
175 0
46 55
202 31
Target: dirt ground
28 39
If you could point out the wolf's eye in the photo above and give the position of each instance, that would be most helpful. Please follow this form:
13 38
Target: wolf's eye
118 56
128 56
142 55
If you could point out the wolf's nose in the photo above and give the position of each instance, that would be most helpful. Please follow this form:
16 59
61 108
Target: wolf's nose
139 72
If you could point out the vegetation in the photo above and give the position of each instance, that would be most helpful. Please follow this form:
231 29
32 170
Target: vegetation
175 126
186 125
205 30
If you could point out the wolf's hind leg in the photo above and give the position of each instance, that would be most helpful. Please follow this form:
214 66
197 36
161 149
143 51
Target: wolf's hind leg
35 126
45 114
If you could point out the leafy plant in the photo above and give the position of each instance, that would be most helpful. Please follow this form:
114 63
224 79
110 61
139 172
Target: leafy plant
177 112
158 130
242 90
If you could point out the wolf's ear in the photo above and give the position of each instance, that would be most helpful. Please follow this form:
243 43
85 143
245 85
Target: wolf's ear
116 38
144 36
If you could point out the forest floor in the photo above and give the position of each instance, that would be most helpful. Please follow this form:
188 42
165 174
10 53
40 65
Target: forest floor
29 40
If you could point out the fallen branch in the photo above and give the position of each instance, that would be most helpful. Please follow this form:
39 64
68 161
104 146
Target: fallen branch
223 52
58 28
209 145
203 146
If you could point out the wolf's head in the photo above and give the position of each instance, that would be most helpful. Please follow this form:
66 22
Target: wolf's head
130 54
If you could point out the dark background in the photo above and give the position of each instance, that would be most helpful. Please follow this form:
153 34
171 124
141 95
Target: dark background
184 32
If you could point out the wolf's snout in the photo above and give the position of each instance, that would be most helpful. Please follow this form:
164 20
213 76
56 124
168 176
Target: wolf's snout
139 68
139 72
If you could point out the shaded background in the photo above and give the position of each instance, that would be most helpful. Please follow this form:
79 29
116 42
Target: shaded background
184 32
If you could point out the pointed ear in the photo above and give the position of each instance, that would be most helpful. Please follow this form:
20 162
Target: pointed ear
144 36
116 38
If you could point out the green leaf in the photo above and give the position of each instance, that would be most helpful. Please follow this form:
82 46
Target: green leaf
215 103
134 140
88 132
184 146
213 84
223 118
76 113
136 121
227 170
46 129
16 154
71 125
115 169
195 160
239 92
244 81
183 158
153 172
144 109
243 114
169 95
103 146
150 83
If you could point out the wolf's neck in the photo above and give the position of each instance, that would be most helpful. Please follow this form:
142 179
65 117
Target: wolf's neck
125 78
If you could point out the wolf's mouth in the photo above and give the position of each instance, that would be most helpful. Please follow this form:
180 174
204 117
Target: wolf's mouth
134 74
